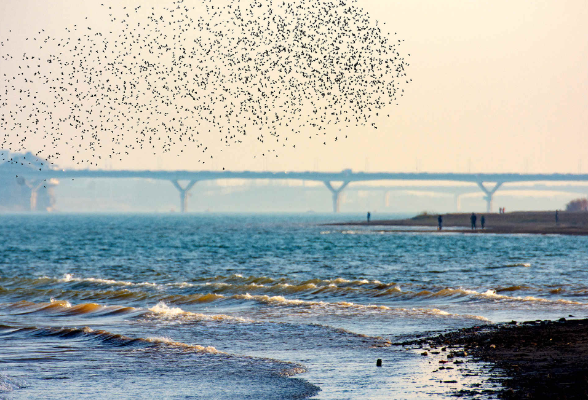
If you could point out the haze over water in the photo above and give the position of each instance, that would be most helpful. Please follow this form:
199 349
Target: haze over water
258 307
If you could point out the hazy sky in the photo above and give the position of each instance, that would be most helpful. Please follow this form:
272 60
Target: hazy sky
498 86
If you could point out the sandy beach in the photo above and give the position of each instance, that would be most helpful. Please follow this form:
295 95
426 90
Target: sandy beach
527 222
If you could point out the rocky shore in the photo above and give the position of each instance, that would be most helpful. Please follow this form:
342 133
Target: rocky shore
538 359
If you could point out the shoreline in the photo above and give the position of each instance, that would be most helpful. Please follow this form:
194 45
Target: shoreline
539 359
533 222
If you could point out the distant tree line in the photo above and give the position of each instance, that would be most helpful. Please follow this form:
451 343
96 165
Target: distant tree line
577 205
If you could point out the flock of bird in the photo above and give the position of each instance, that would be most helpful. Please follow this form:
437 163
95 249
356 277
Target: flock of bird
183 78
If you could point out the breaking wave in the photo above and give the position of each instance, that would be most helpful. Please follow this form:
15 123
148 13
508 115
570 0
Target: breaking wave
102 336
492 295
162 310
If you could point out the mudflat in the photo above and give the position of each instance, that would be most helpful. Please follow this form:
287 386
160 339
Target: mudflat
529 222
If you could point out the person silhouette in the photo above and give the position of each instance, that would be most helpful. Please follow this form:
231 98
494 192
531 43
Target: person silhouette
482 221
473 219
369 215
439 222
556 217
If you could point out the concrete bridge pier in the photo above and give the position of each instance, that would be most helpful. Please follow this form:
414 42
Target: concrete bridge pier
336 193
34 185
489 193
457 198
184 193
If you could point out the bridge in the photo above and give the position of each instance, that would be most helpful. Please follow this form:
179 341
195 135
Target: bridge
466 190
335 182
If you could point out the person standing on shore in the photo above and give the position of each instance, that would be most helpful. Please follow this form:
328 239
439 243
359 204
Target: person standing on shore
439 222
556 217
482 221
369 216
473 219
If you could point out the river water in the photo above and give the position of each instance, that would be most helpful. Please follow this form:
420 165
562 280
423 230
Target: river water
259 306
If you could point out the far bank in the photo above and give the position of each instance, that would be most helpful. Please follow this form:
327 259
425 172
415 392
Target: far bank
529 222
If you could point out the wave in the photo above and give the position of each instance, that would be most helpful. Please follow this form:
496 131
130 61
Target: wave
354 307
492 295
102 336
8 384
219 284
526 265
248 363
71 278
162 310
259 288
512 288
64 308
169 342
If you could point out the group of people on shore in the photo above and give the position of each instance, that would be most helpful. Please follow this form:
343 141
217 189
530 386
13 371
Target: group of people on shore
473 220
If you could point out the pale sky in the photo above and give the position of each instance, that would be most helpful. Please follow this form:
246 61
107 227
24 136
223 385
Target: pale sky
497 86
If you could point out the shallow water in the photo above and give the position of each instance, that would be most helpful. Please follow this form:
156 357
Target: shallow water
258 307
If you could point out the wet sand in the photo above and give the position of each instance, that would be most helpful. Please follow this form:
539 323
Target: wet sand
528 222
540 359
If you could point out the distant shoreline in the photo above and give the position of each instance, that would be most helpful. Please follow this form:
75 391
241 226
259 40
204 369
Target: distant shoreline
527 222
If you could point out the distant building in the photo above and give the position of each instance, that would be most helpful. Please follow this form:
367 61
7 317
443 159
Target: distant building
17 193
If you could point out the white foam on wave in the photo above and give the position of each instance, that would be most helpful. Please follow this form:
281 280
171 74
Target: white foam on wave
8 384
181 285
62 303
337 281
169 342
71 278
437 312
269 299
303 286
217 284
491 294
340 281
162 310
281 300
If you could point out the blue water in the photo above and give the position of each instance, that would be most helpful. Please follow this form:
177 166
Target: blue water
258 306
